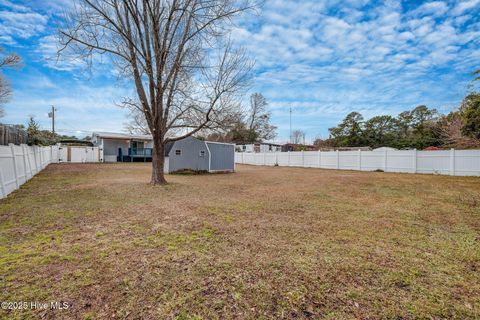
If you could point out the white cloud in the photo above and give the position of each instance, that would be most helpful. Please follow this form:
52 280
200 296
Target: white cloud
465 5
48 49
381 60
435 8
22 24
325 58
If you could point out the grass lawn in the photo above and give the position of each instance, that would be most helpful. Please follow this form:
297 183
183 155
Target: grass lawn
260 243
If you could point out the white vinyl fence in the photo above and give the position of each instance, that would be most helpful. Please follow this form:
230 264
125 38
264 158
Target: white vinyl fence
19 163
79 154
448 162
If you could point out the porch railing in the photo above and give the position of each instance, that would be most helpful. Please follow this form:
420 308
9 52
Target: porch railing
144 152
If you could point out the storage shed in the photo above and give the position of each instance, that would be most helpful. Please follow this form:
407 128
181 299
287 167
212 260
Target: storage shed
194 154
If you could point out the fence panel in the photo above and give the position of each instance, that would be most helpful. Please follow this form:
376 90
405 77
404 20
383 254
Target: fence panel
447 162
466 162
82 154
348 160
433 162
329 160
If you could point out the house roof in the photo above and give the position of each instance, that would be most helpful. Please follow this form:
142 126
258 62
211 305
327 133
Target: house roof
114 135
253 143
168 147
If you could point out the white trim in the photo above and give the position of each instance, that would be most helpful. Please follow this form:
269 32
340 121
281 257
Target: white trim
114 135
209 157
225 143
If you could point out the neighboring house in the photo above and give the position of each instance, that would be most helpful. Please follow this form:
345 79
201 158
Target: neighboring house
298 147
258 147
186 154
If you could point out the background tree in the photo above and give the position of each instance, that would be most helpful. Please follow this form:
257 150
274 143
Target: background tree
298 137
470 113
33 129
423 128
37 136
324 143
6 61
380 131
248 125
186 73
259 118
349 132
450 129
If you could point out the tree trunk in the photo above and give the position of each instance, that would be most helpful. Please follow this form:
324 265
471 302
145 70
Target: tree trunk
158 162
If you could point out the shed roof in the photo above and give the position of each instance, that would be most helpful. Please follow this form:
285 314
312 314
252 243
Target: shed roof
116 135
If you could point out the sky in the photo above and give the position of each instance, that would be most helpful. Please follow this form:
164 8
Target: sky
322 59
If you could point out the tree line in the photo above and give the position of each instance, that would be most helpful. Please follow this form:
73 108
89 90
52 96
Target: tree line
418 128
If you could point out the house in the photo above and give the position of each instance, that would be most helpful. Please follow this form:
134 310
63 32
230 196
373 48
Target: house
385 149
186 154
258 147
123 146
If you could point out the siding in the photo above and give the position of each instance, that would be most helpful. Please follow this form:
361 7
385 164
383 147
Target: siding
110 147
190 157
223 156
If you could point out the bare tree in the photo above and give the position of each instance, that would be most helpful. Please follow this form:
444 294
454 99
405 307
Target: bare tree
10 60
452 136
259 118
298 136
187 74
136 124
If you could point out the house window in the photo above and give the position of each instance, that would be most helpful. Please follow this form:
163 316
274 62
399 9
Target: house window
178 152
244 147
202 153
137 144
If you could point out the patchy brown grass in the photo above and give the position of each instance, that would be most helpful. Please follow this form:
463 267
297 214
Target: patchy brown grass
263 243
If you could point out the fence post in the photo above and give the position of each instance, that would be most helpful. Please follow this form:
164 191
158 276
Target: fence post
35 158
40 155
360 159
338 159
276 158
3 190
264 159
319 158
289 158
12 147
27 151
25 154
452 162
415 160
303 158
385 160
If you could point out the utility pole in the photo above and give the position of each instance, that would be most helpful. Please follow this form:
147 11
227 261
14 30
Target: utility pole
52 115
291 125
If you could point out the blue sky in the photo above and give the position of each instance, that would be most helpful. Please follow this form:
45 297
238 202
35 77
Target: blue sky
321 58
